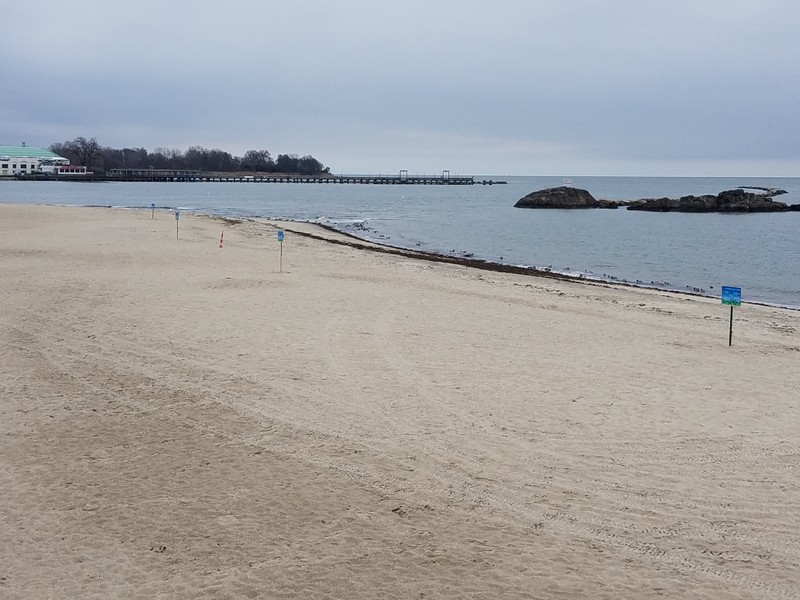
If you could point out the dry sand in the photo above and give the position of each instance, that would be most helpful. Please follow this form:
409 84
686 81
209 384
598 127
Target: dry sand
183 421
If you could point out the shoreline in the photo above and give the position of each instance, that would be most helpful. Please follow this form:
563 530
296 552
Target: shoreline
476 263
615 259
487 265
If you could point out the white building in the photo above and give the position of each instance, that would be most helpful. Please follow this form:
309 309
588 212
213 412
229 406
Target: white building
25 160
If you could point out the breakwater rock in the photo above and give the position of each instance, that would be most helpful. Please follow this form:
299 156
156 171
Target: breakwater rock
730 201
564 197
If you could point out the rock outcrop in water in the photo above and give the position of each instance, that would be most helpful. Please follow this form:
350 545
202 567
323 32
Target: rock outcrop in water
730 201
563 197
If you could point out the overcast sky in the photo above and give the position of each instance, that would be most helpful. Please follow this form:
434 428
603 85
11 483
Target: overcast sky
526 87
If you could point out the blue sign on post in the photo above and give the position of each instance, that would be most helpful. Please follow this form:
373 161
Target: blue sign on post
732 295
177 214
280 239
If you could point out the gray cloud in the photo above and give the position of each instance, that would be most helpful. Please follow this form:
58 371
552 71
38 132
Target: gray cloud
707 87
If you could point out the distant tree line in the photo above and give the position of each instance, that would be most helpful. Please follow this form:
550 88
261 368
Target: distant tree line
89 153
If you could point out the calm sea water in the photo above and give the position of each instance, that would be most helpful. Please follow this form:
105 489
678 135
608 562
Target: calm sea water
759 253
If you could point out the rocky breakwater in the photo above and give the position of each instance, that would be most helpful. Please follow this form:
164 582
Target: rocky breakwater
564 197
730 201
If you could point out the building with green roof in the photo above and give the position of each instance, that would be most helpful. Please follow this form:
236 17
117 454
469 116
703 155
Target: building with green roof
24 160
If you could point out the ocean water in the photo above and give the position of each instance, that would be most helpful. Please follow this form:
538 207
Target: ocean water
687 252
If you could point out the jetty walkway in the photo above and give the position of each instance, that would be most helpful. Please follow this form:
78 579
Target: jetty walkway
200 176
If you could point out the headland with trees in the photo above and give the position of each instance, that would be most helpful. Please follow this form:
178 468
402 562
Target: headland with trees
90 153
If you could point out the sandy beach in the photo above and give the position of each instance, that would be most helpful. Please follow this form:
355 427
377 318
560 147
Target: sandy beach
180 420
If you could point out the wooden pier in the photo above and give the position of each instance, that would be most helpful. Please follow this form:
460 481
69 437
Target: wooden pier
199 176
